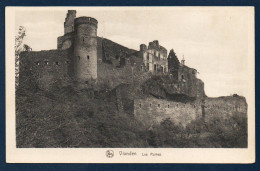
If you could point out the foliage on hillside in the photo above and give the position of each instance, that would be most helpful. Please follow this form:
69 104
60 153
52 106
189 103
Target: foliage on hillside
66 116
199 134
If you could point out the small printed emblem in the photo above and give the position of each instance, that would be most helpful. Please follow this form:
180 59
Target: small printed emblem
109 153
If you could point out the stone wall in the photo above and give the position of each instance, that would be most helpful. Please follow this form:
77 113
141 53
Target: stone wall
44 66
65 41
189 83
224 107
69 21
152 110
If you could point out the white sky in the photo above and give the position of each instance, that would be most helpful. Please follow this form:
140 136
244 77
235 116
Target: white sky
213 40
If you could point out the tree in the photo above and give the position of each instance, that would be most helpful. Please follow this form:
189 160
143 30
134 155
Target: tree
173 63
19 47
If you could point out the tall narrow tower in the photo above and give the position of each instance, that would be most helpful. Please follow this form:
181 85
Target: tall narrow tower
85 48
69 21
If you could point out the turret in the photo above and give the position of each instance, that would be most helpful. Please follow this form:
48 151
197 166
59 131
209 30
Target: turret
85 48
183 60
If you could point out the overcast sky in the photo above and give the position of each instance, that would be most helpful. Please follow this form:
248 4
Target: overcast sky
212 40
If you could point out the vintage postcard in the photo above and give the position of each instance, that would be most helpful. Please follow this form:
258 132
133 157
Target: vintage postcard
130 85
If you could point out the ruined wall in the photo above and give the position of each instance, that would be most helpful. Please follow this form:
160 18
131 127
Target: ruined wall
166 86
109 69
125 98
154 57
152 111
45 67
189 83
113 53
224 107
66 41
69 21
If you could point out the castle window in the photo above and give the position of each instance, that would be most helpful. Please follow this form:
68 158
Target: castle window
88 57
168 106
67 62
83 39
159 55
182 77
159 105
194 106
147 56
46 62
57 63
141 68
150 105
177 105
140 105
78 57
37 63
154 53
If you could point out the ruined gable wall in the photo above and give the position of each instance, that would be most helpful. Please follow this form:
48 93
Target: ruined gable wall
109 69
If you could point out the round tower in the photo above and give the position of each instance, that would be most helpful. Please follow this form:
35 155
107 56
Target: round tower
85 48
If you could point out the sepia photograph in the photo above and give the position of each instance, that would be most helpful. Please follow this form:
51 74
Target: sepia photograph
125 79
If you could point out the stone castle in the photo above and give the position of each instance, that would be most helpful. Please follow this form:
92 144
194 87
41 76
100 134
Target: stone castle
84 56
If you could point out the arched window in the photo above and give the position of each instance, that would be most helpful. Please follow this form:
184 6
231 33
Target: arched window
182 77
83 39
140 105
159 105
88 57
